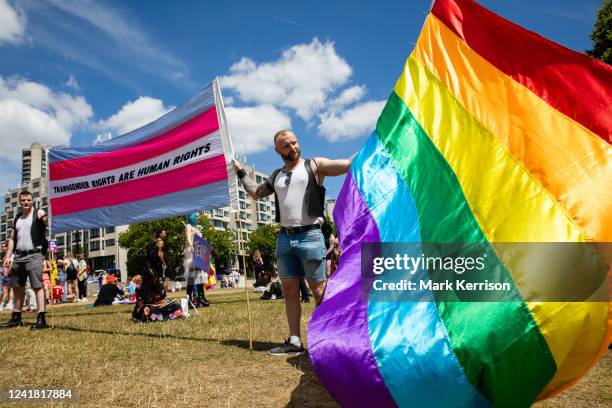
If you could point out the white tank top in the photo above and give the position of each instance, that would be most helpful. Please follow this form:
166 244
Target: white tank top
23 227
293 210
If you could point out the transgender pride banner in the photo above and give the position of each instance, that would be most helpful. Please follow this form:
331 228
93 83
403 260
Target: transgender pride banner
178 164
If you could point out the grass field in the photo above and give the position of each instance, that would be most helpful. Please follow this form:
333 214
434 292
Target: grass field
200 362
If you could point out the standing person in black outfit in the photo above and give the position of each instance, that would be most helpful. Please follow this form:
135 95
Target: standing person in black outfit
153 289
258 265
28 242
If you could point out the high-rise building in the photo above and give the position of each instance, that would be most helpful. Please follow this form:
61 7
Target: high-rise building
330 203
34 162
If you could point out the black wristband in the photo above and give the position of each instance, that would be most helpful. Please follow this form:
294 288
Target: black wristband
241 173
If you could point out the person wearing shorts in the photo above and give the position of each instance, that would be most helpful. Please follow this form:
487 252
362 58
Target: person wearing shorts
300 245
27 243
7 287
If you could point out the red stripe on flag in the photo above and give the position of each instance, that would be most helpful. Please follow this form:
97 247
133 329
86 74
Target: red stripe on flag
572 83
194 175
195 128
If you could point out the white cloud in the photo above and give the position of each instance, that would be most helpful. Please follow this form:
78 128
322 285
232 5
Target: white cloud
72 83
255 126
31 112
135 114
301 80
349 95
12 23
228 100
352 123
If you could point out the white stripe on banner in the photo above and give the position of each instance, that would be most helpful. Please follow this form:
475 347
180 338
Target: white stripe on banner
201 149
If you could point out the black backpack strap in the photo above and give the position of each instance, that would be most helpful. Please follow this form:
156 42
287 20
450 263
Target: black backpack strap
272 178
309 167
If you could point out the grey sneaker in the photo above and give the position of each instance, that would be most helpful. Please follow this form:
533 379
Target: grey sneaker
287 349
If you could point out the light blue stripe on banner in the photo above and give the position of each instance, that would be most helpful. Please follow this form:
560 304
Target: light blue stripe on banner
214 195
201 102
409 340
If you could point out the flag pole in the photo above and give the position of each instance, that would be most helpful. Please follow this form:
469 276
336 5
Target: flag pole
246 287
233 185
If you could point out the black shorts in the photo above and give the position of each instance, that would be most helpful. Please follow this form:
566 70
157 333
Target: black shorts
71 275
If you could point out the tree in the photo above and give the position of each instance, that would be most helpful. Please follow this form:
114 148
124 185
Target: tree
264 239
138 236
602 34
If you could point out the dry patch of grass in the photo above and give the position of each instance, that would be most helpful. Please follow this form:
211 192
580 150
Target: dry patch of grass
200 362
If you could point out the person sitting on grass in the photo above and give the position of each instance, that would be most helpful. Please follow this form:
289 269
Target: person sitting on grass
274 290
109 292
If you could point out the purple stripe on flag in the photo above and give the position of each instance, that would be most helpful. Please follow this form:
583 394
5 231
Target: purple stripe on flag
344 332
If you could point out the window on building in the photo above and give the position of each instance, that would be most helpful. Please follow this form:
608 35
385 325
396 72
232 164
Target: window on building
14 195
226 213
242 205
94 233
35 184
242 194
44 201
60 240
258 179
7 200
109 230
110 242
218 223
3 228
11 215
94 245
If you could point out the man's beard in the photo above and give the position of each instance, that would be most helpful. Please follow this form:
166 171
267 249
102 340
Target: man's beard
291 156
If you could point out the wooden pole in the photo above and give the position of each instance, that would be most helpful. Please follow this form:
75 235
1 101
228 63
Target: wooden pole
246 287
50 275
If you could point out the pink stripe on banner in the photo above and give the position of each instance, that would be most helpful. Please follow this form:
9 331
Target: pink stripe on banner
191 176
195 128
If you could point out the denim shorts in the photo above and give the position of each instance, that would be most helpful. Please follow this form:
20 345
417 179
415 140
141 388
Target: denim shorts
301 255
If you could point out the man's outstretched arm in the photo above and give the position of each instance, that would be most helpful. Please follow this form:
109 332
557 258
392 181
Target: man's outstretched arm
328 167
256 191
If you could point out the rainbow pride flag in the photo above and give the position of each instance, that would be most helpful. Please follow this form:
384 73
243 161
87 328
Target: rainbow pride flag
491 134
178 164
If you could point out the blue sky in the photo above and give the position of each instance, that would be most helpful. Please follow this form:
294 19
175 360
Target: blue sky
73 71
